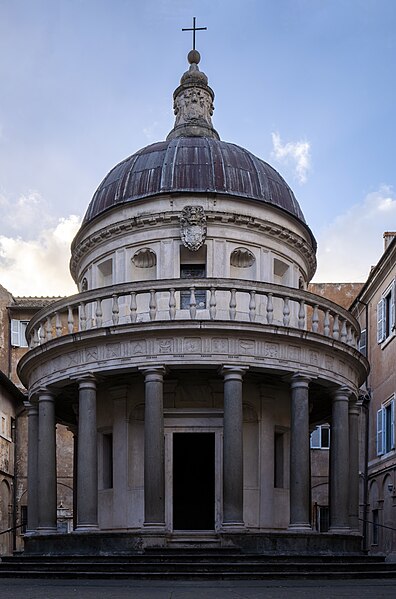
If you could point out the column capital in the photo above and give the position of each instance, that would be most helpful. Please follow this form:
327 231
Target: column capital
230 371
341 394
86 381
45 394
152 373
299 380
32 408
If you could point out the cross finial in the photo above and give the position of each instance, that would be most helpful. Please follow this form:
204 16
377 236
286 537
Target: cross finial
194 29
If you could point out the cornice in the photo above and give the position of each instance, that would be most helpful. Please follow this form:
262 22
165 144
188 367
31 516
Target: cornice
119 228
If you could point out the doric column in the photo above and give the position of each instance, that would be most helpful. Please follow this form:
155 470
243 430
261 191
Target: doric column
87 458
32 468
339 462
233 446
300 488
46 463
154 455
353 464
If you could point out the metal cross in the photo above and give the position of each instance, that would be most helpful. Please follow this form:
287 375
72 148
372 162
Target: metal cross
194 29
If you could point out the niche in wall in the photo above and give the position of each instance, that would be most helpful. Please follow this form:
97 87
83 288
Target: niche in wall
144 265
242 264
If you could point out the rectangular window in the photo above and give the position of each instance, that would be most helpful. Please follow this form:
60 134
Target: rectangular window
278 460
386 428
193 271
386 314
18 333
107 460
323 518
320 437
363 342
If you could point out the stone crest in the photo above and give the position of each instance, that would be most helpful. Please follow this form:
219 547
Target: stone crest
193 227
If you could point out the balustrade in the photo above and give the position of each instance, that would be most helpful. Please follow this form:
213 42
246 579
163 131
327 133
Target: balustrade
233 300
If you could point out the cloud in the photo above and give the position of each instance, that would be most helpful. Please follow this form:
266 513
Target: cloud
39 266
296 152
353 242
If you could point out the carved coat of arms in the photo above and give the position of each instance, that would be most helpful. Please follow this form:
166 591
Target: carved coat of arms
193 227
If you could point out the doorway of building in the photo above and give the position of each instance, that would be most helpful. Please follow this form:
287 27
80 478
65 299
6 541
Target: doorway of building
193 481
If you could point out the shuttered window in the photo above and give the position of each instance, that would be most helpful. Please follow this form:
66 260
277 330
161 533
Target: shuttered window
386 428
18 333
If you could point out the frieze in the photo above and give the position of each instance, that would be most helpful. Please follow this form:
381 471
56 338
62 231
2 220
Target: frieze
192 345
271 350
113 350
220 345
247 346
294 353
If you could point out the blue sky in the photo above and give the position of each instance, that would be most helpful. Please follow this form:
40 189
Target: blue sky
307 85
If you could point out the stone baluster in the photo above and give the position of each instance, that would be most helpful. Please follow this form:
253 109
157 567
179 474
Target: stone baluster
344 334
286 312
83 317
133 307
315 319
32 468
115 310
212 304
153 304
46 462
98 313
87 460
270 309
349 338
42 332
233 447
193 304
172 304
154 460
301 315
299 454
233 303
58 324
336 327
48 329
70 320
339 462
252 306
326 324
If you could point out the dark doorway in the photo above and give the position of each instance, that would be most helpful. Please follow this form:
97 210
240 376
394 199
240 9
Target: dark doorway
193 481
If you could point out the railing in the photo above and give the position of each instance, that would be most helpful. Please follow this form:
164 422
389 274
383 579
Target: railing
176 299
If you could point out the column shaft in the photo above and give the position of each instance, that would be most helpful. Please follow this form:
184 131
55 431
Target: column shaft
87 460
300 488
154 454
46 463
32 468
353 465
233 447
339 462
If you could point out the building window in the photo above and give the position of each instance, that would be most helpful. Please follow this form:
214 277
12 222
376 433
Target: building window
108 460
323 518
18 333
386 428
320 437
363 342
193 271
279 460
386 314
105 273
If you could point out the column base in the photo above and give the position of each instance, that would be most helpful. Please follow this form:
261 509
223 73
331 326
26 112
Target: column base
303 527
86 528
234 525
160 526
46 530
339 530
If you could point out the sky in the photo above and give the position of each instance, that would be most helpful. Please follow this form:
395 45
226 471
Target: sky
306 85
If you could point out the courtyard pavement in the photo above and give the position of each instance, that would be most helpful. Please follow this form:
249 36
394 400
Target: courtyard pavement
18 588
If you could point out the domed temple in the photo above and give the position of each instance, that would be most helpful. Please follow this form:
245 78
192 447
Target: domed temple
193 363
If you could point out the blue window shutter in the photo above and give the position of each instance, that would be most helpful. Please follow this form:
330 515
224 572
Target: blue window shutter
15 333
380 321
392 439
392 308
315 438
380 432
363 342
